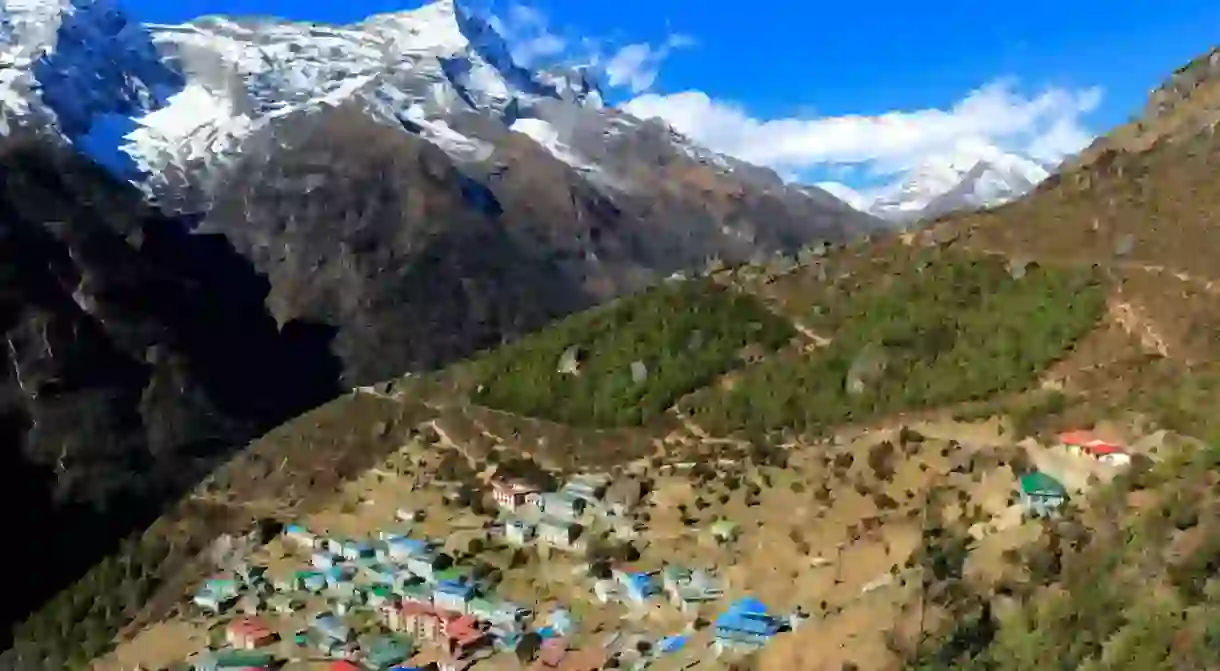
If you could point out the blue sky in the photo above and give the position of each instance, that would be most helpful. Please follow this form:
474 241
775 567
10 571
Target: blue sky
857 90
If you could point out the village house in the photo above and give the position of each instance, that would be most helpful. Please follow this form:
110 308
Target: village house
232 660
313 581
248 633
606 591
428 563
400 549
384 652
519 532
330 627
379 574
589 487
453 595
408 515
512 494
382 595
745 625
689 589
323 559
638 586
501 614
458 635
416 592
217 594
1041 495
559 532
562 505
1086 444
353 550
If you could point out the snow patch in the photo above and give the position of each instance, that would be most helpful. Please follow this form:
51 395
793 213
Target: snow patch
545 134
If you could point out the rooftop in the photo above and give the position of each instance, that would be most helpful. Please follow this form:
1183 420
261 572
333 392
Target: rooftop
1038 482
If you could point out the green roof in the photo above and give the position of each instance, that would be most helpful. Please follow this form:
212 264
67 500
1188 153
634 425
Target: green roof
454 573
1041 483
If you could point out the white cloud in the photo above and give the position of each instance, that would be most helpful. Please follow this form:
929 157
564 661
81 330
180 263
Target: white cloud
529 34
1047 126
636 66
533 41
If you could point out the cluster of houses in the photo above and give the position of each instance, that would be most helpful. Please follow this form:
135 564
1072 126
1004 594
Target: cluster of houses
555 518
411 595
1042 495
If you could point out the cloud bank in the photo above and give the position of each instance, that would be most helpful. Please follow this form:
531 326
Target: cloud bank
1046 125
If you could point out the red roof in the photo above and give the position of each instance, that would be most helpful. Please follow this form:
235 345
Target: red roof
513 487
415 608
343 665
1077 437
1100 447
249 626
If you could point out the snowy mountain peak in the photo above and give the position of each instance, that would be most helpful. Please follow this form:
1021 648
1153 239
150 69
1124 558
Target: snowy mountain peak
165 104
970 177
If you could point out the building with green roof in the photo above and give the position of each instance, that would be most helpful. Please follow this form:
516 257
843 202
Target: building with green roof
1041 494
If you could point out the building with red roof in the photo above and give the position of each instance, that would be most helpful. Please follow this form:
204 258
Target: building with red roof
512 494
248 633
1086 443
457 634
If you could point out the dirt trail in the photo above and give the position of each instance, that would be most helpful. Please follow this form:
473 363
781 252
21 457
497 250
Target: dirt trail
1133 320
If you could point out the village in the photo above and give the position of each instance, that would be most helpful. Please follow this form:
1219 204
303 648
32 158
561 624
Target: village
462 592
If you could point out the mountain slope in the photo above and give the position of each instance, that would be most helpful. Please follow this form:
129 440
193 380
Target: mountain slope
363 200
1091 298
135 355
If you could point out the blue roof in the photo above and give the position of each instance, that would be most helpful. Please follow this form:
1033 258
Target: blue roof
295 528
548 632
412 545
460 587
672 643
642 583
748 616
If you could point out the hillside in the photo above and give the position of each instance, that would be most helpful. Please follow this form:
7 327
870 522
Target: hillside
262 242
864 412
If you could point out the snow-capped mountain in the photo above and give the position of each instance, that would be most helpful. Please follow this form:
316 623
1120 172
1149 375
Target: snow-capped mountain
974 177
170 106
401 179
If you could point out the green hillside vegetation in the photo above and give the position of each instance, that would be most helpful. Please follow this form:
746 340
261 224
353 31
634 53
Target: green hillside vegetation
79 624
1113 586
685 334
947 330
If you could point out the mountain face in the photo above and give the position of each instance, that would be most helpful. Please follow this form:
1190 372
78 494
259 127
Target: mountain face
969 179
134 355
307 208
395 137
